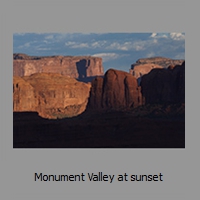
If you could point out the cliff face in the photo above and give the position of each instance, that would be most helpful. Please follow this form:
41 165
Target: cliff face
117 90
51 95
164 85
79 67
145 65
57 95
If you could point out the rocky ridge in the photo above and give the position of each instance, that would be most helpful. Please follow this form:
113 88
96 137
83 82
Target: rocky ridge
79 67
58 96
117 90
51 95
145 65
164 85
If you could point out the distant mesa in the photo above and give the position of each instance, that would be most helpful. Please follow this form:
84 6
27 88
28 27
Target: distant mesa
49 86
83 68
145 65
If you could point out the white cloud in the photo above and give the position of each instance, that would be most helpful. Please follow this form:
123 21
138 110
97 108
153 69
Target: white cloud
114 45
47 41
43 49
124 48
49 37
70 43
158 35
61 36
77 45
151 54
98 44
177 36
153 35
107 56
164 36
26 45
95 44
120 46
140 45
81 45
139 48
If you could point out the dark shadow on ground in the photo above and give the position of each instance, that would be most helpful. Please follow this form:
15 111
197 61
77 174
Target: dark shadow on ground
98 130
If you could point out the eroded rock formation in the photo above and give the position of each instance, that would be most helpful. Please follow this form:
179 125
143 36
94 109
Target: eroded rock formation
145 65
79 67
55 95
117 90
164 85
95 100
51 95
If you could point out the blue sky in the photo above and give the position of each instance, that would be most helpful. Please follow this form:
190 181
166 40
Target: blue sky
118 50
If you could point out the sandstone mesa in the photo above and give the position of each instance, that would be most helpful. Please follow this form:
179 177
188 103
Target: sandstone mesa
48 85
51 95
79 67
145 65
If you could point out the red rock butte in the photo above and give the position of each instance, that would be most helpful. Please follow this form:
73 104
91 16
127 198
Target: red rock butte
117 90
47 85
79 67
145 65
51 95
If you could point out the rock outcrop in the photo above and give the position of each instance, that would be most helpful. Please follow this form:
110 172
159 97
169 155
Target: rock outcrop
51 95
164 85
95 100
79 67
55 95
145 65
117 90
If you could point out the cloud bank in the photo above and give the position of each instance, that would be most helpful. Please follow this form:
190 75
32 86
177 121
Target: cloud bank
116 49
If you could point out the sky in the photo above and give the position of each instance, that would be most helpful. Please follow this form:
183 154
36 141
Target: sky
118 50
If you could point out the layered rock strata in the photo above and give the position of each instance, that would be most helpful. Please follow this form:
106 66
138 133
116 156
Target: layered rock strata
79 67
164 85
51 95
145 65
58 96
117 90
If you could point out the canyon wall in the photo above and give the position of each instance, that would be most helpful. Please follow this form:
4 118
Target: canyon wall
79 67
51 95
164 85
117 90
145 65
57 95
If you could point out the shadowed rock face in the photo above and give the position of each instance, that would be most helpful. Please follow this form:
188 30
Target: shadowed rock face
51 95
164 85
95 100
118 90
79 67
145 65
58 96
23 95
